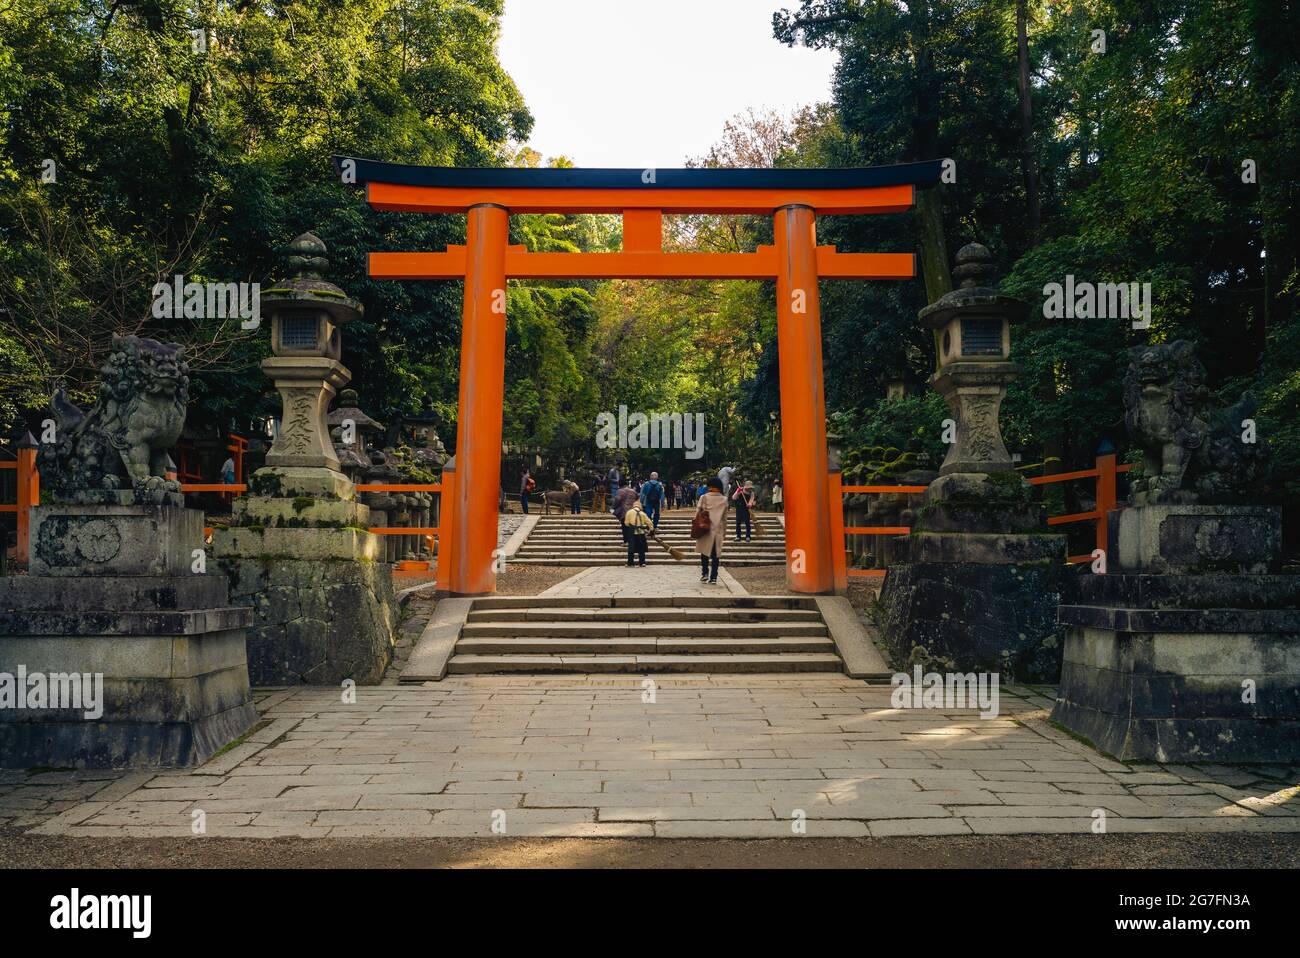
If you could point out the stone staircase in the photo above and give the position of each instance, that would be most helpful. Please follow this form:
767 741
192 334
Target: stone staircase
596 540
693 633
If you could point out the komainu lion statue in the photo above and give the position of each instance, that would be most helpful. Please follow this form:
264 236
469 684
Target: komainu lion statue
122 442
1191 452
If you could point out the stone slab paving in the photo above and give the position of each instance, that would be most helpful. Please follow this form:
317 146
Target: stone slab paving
785 756
620 581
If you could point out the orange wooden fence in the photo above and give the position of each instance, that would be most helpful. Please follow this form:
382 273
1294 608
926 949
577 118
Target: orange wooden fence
29 491
1105 471
406 567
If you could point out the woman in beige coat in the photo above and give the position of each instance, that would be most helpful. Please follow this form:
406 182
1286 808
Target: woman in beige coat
709 545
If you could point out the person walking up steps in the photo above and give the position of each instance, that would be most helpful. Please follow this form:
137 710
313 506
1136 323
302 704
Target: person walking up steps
615 480
709 545
743 498
652 497
623 500
636 528
776 495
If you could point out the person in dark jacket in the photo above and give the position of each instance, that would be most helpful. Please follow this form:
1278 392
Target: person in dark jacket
652 498
615 480
623 500
743 499
526 485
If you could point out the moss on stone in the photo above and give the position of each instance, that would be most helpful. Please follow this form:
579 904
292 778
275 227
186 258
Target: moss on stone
264 483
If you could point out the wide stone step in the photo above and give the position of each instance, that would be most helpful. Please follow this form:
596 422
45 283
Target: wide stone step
613 529
615 536
643 664
643 646
643 614
729 551
566 630
636 602
614 542
650 560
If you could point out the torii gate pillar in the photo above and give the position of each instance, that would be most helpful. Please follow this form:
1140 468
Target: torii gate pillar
804 457
482 395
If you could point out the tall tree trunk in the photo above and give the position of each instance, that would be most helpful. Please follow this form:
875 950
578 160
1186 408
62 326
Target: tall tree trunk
934 247
925 133
1028 161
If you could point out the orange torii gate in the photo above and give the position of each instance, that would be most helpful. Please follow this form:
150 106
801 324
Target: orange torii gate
793 198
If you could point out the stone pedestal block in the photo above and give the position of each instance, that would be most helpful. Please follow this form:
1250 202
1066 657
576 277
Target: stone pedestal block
1171 658
306 385
298 482
1196 539
157 664
128 540
986 601
323 601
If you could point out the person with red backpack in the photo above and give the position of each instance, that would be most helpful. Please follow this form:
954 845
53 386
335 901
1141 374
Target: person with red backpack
709 530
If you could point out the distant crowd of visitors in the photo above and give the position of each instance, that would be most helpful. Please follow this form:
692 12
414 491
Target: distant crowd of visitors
638 505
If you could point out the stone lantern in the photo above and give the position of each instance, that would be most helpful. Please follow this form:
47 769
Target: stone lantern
979 579
352 433
307 316
298 549
972 326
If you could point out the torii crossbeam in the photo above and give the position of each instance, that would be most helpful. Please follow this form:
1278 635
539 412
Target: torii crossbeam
792 197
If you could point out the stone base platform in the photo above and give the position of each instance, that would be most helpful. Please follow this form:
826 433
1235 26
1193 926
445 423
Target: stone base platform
315 621
986 601
158 663
1190 675
322 598
1190 652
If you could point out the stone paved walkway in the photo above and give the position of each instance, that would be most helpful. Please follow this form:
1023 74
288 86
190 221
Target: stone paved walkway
711 756
622 582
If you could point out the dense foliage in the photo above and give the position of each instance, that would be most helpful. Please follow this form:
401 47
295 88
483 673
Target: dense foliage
1111 140
196 139
1123 158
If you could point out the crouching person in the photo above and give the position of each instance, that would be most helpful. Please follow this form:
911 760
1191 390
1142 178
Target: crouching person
636 529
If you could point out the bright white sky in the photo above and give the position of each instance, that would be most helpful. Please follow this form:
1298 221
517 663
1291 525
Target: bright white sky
649 83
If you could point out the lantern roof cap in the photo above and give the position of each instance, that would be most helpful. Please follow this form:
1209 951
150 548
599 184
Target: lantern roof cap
977 293
347 409
303 264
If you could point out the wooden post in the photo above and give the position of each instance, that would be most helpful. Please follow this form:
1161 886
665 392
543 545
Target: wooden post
446 522
804 457
29 493
1106 498
839 559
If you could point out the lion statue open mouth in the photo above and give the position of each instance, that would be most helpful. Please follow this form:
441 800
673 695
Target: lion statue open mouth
122 442
1191 452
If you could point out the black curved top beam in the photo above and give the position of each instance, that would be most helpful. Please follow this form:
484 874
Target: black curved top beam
373 171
